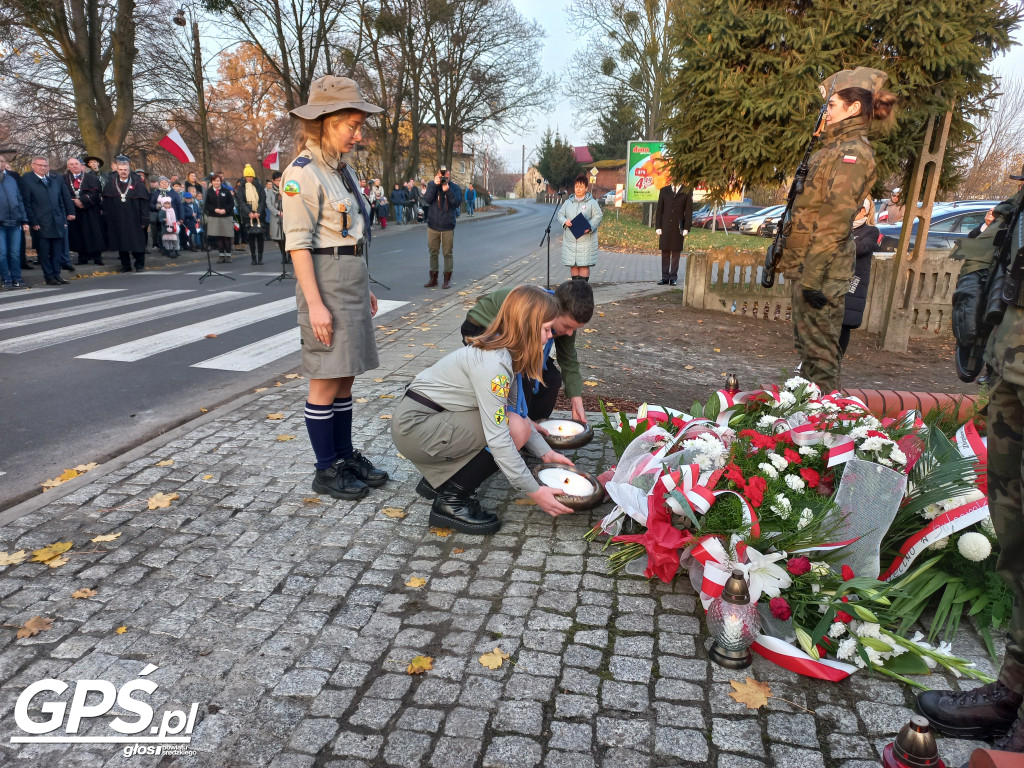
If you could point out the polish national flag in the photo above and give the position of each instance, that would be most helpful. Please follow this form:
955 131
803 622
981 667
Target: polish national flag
272 161
174 144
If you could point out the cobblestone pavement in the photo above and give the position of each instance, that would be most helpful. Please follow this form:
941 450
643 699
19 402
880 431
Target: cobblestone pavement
286 618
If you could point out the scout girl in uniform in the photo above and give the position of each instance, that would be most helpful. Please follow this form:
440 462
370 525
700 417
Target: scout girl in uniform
465 417
326 230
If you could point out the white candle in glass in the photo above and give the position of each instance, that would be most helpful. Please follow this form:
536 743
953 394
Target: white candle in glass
567 481
562 427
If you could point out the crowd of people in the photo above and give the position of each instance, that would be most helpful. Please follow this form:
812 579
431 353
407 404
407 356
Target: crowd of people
86 210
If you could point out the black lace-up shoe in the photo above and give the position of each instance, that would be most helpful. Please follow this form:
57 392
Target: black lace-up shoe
340 484
361 467
981 713
425 489
457 508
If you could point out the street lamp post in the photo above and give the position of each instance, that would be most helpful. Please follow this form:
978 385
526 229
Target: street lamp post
198 80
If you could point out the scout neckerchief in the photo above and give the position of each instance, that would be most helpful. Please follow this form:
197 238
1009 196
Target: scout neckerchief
344 171
521 407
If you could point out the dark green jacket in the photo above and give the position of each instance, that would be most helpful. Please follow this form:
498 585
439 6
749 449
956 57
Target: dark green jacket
486 309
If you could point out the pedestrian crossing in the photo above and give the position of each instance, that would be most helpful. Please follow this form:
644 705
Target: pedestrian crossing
135 311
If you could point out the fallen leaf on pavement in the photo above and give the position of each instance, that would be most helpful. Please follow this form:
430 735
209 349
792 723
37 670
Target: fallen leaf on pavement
14 558
393 512
311 500
458 551
57 562
420 664
751 692
415 582
207 477
260 389
590 330
86 467
444 533
385 416
293 375
688 367
362 400
34 626
84 592
590 383
162 500
211 335
494 659
408 355
165 463
717 349
275 416
63 477
387 397
49 552
285 438
204 410
524 502
106 537
600 314
379 381
121 630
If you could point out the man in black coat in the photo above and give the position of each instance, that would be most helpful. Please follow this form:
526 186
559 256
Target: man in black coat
47 216
126 213
672 220
85 233
7 156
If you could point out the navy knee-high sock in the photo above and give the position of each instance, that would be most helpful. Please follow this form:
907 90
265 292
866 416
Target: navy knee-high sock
343 426
320 426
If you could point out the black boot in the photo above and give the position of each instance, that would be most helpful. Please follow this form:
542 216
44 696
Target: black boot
457 507
425 489
340 483
981 713
361 467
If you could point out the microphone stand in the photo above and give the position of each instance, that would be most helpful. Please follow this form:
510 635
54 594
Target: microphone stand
547 232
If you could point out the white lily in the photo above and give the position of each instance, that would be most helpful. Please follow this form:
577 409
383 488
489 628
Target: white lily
763 575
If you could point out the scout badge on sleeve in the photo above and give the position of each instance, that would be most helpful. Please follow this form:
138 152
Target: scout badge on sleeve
500 385
500 417
291 188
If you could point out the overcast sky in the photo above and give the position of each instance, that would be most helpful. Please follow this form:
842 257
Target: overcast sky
559 46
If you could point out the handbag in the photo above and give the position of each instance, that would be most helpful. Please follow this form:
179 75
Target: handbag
255 228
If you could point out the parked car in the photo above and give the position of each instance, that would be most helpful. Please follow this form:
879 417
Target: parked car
749 224
882 213
949 224
608 198
725 216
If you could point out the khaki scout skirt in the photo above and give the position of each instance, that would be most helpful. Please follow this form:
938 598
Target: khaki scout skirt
344 287
438 444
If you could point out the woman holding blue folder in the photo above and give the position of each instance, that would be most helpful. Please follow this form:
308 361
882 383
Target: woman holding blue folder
580 216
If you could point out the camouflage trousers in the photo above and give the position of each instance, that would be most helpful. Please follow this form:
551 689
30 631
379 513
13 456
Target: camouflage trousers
816 334
1005 425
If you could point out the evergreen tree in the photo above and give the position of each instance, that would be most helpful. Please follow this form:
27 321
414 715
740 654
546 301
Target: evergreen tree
745 95
557 162
617 125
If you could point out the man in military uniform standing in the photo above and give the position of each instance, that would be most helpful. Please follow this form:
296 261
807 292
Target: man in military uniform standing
996 710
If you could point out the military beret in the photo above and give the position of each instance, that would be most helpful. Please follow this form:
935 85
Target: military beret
861 77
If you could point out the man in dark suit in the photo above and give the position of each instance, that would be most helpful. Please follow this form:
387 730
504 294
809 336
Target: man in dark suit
672 220
8 155
47 216
85 233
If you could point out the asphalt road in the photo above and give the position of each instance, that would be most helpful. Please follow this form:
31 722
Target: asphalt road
90 370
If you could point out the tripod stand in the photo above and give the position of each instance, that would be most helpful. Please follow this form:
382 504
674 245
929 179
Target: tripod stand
284 269
547 232
366 255
210 271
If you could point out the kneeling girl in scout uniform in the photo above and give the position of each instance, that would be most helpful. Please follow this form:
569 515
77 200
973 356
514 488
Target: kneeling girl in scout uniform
820 254
326 230
463 418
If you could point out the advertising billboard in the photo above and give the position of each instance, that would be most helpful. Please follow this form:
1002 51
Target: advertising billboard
646 170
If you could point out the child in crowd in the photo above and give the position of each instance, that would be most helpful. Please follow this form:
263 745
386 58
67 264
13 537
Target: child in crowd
189 219
169 228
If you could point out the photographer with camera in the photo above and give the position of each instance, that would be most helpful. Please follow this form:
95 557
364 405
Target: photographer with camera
442 198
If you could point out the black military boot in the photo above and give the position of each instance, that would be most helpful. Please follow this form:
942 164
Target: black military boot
339 483
425 489
457 507
361 467
981 713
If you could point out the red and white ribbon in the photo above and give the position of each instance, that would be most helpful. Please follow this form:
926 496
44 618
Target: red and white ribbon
790 657
942 526
971 444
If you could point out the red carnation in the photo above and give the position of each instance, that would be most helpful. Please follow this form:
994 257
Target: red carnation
756 487
822 652
780 608
844 617
847 573
876 433
734 473
811 476
798 566
791 456
759 440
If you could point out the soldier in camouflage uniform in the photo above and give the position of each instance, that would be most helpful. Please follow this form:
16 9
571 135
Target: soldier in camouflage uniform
997 709
820 254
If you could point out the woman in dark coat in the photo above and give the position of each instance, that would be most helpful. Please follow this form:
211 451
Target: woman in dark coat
866 237
219 207
126 214
672 221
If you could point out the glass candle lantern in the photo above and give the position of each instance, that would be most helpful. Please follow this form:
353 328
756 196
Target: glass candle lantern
734 623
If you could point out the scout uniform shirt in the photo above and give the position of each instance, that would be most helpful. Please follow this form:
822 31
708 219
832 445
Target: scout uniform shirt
312 195
840 175
478 379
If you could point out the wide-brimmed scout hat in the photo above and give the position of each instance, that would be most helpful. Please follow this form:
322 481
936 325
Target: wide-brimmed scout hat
89 158
331 94
862 77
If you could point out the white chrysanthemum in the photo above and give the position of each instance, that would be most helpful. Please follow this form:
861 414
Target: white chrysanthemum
874 657
870 422
874 444
766 422
814 390
830 407
940 544
988 526
782 501
859 433
794 383
806 516
974 546
958 501
807 450
778 461
795 482
897 455
868 629
884 461
847 649
837 630
814 407
768 470
932 511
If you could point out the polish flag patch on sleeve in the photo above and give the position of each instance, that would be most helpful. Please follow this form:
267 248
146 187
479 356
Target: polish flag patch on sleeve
849 158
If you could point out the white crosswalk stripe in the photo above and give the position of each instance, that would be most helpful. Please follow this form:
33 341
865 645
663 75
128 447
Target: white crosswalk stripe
272 348
21 344
96 306
35 301
178 337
